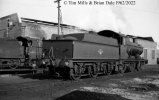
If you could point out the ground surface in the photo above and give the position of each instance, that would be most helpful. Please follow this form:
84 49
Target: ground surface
143 85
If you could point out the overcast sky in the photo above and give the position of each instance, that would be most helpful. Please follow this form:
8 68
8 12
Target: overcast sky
141 19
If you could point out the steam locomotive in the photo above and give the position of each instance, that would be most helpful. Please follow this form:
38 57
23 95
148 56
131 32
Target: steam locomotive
76 55
73 55
20 54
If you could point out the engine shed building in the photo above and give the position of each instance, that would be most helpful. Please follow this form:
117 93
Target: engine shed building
150 49
13 26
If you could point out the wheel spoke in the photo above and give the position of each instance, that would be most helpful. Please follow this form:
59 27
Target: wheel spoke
95 71
138 66
73 75
109 70
132 67
90 72
122 68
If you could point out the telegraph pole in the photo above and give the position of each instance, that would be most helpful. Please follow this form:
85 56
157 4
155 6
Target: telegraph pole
58 1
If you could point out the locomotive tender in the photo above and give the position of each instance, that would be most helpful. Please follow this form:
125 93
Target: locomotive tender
91 54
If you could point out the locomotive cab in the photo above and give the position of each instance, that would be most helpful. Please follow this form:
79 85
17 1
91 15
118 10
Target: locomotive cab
129 49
